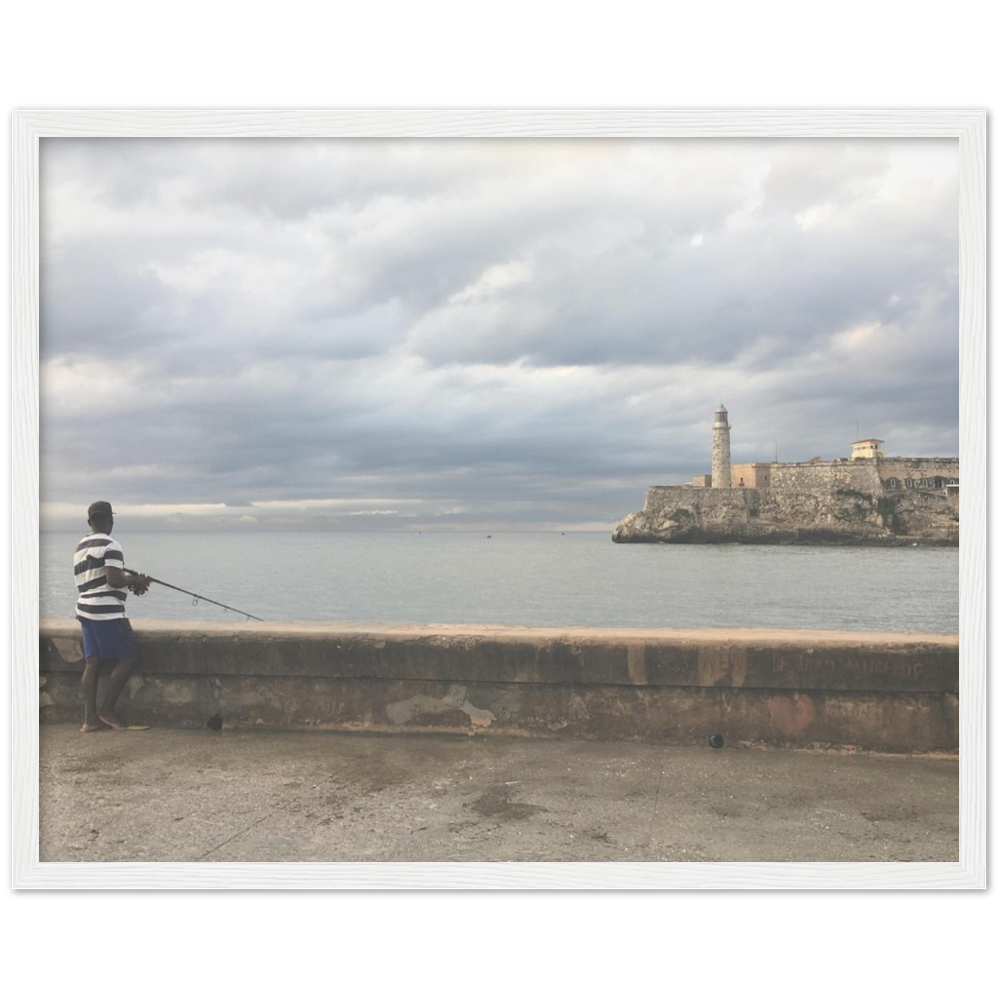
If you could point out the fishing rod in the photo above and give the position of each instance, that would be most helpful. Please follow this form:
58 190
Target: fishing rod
191 593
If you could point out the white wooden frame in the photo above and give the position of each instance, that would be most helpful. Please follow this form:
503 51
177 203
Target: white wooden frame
28 126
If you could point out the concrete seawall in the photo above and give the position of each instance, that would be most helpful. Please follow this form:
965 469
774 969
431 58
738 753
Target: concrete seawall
893 692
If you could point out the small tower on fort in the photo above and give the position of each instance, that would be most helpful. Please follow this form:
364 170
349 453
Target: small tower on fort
869 448
721 468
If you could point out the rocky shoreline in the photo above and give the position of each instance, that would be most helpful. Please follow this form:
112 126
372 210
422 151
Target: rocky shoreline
682 515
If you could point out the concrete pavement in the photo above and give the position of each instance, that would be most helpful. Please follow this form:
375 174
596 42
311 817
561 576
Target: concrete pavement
192 795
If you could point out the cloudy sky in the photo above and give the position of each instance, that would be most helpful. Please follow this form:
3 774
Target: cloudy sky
490 333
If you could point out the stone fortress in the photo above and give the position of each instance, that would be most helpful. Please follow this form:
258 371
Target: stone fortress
867 499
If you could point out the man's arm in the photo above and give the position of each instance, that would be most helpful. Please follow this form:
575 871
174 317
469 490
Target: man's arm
121 580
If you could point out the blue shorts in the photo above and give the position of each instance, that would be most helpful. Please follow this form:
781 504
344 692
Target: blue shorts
110 640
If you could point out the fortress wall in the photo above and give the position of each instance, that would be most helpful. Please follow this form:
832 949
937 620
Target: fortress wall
845 515
891 692
748 513
714 502
862 475
918 468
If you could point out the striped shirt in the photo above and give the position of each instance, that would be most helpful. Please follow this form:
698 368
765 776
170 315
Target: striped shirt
97 600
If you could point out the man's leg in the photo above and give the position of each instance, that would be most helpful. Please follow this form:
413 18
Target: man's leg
116 684
123 646
91 674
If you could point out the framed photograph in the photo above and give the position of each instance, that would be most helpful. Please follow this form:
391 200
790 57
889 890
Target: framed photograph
516 299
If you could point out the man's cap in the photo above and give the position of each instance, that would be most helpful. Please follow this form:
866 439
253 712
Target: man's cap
100 508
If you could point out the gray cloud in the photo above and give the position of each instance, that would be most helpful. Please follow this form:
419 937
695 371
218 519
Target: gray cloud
532 330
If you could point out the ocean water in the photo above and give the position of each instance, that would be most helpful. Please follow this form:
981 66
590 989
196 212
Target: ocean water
532 579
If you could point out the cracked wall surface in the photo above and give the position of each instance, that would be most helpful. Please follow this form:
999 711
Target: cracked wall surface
892 691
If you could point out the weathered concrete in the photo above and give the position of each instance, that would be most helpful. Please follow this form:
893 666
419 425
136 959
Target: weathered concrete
240 796
892 691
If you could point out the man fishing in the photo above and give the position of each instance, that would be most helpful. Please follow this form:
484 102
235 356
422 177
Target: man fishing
102 582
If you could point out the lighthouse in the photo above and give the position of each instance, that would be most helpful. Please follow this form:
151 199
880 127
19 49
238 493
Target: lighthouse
721 469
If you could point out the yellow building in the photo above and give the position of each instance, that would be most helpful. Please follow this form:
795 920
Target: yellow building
751 475
869 448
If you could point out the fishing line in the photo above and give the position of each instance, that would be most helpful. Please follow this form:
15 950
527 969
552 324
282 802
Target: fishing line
197 597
